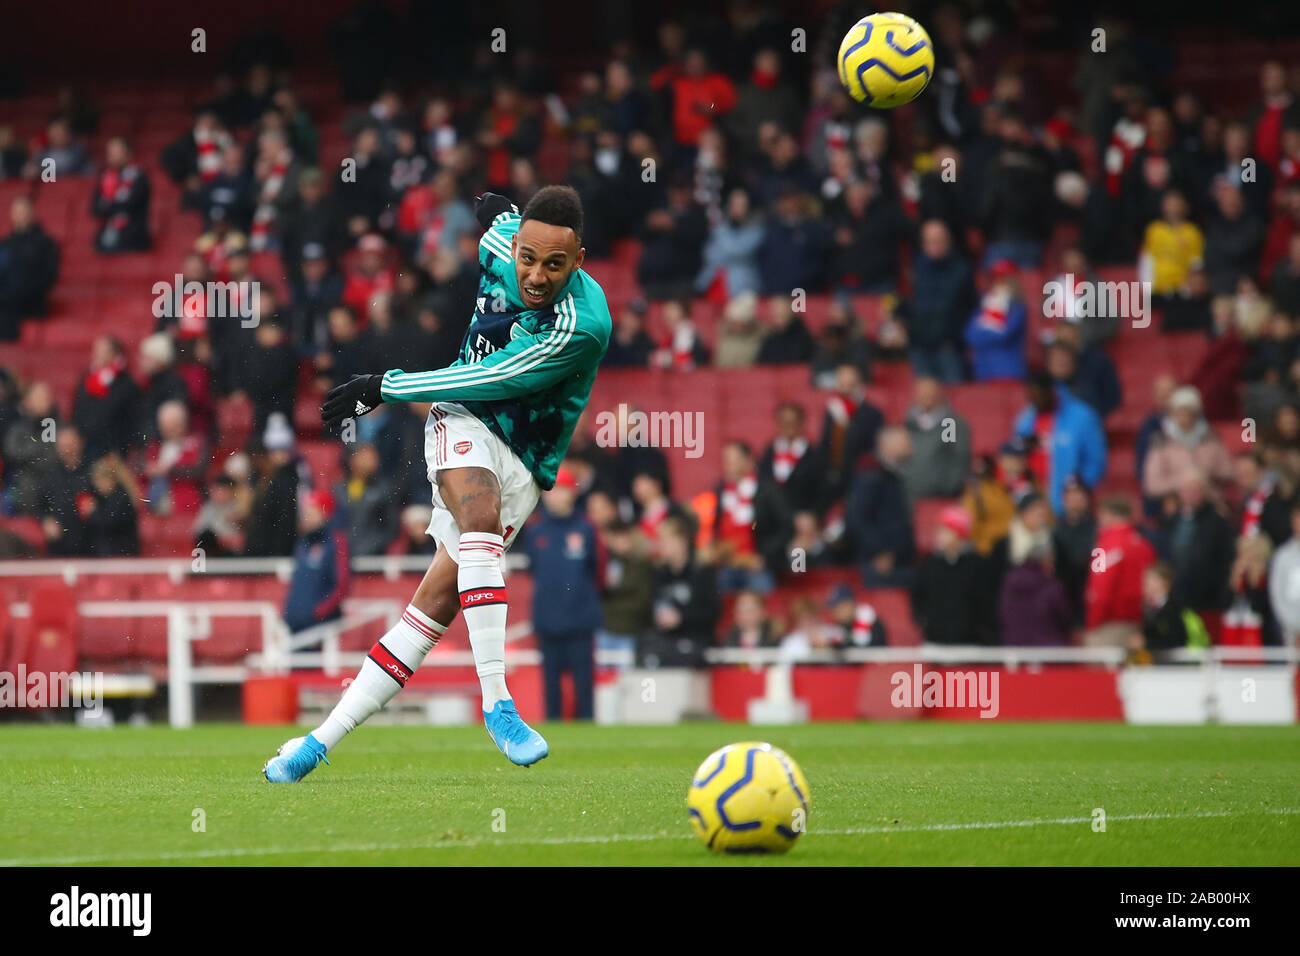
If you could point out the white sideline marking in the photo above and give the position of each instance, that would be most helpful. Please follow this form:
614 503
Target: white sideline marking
626 838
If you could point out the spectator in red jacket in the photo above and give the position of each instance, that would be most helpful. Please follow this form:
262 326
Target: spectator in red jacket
507 131
371 274
1277 109
1114 591
699 96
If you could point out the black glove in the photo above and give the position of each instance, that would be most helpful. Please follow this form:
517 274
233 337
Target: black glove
355 398
488 206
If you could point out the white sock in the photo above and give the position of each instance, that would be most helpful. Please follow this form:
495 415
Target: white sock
387 669
482 589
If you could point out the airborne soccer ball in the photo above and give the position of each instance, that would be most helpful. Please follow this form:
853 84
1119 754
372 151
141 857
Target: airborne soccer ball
885 60
748 798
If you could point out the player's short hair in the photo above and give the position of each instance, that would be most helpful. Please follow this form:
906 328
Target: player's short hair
556 206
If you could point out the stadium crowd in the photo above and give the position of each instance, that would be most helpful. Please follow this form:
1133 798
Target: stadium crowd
744 181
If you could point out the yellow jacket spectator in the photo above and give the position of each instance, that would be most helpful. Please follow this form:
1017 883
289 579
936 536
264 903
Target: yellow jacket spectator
1171 246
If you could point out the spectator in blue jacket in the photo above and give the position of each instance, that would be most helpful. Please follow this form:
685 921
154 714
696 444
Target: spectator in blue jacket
1088 372
731 251
943 291
996 332
321 569
1068 437
567 566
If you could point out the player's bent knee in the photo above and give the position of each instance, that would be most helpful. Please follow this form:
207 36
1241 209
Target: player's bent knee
480 521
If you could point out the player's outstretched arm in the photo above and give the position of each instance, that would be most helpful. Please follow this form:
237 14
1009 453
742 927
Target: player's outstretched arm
526 365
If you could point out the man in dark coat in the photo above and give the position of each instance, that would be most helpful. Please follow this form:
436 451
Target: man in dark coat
29 266
878 516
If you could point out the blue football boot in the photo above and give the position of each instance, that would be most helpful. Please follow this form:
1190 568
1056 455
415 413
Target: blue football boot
514 738
294 760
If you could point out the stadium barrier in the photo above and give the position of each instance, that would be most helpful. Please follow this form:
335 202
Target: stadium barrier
762 685
768 685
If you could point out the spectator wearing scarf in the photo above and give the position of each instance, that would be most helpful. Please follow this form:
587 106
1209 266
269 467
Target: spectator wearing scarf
121 202
104 409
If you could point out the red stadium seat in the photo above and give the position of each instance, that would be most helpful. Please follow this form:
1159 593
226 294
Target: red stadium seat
894 607
50 645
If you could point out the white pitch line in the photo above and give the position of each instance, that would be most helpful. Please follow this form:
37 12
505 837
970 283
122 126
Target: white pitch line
627 838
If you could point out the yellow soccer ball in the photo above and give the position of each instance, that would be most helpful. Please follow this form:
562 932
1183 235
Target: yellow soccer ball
886 60
748 798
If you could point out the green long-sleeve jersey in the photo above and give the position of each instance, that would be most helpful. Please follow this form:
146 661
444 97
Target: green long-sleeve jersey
525 373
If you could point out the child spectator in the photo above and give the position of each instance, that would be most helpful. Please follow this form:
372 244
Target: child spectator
752 627
854 623
1167 625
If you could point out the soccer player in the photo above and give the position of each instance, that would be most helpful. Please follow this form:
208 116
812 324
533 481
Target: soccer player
502 417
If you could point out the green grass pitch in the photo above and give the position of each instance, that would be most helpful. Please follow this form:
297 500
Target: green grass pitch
882 794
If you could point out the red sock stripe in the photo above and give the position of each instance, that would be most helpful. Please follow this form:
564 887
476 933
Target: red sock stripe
390 664
476 597
440 439
420 626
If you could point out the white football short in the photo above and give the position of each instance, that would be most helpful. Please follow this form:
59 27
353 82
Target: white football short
454 438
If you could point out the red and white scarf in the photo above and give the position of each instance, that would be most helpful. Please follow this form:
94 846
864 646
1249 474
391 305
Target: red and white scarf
995 306
841 408
1255 508
677 348
264 217
1125 140
210 144
864 622
99 380
651 519
738 500
115 186
785 456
